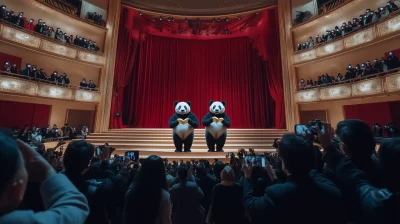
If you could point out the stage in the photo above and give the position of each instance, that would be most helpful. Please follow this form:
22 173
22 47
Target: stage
159 142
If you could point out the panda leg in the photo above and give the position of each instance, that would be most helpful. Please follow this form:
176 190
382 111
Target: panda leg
177 142
188 142
210 142
221 142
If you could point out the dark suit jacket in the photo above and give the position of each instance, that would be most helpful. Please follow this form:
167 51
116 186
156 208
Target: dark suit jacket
186 207
308 199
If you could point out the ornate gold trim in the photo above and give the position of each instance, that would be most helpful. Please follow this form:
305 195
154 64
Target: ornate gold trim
308 96
59 49
87 96
335 92
392 83
305 56
330 48
389 26
53 91
20 37
361 37
12 85
92 58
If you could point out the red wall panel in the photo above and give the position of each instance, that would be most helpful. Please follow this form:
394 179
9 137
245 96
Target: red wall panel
16 114
12 59
370 113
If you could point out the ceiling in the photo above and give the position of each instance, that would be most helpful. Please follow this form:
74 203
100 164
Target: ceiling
199 7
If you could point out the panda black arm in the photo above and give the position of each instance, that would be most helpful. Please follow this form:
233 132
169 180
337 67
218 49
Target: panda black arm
172 123
193 121
207 120
227 121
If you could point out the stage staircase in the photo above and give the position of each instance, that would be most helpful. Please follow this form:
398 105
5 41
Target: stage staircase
159 142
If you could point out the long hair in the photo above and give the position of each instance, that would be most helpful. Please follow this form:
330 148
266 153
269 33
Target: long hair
143 201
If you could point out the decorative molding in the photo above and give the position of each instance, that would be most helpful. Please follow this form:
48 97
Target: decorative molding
59 49
53 91
389 26
335 92
87 96
305 56
330 48
361 37
20 37
368 87
307 95
209 8
9 84
392 83
92 58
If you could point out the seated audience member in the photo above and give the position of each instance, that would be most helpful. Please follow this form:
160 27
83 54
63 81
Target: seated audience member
91 84
83 83
375 205
27 71
186 199
39 26
25 135
54 77
46 132
227 198
357 142
84 132
3 10
55 131
150 189
378 132
63 79
18 163
305 191
207 183
29 25
7 66
77 157
66 131
393 61
14 69
19 19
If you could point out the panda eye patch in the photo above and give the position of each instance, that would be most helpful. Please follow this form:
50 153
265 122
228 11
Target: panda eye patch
220 107
179 107
185 107
214 107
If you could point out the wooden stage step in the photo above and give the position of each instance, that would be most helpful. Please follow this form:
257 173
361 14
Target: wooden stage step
149 141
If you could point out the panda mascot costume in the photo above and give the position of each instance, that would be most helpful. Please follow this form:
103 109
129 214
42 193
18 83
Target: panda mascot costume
183 123
216 122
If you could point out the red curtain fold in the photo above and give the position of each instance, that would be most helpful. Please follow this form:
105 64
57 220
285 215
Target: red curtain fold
242 68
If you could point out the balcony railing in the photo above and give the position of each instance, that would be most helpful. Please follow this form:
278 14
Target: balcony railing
18 84
381 29
333 4
36 41
375 85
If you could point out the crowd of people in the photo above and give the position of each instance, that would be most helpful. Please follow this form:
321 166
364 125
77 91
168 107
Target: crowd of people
32 73
366 19
44 29
367 69
96 18
344 181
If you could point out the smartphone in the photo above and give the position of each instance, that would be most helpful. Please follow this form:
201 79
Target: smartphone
132 155
256 160
98 151
121 158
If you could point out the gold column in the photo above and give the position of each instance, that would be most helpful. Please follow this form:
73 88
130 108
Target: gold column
288 70
107 73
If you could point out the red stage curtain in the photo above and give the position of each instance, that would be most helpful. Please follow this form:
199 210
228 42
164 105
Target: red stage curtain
242 68
174 69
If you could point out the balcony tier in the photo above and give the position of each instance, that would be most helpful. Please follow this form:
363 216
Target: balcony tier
15 85
385 29
36 42
375 86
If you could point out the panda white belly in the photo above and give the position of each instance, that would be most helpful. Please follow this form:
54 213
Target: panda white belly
183 130
216 129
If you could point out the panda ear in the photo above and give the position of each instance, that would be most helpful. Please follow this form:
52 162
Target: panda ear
211 102
223 102
176 103
189 103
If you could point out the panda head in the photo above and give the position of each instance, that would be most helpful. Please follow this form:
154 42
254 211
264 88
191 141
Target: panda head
182 107
217 107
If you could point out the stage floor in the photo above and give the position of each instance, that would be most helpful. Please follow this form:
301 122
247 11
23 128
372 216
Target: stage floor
159 142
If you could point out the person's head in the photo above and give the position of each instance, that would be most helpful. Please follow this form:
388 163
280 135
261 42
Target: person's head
13 174
297 154
183 172
389 157
148 185
54 126
77 157
218 167
356 139
227 174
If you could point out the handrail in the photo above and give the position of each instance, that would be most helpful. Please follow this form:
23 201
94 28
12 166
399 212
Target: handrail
31 32
27 78
390 16
351 80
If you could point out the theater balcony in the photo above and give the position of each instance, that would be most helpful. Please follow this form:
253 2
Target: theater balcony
375 85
